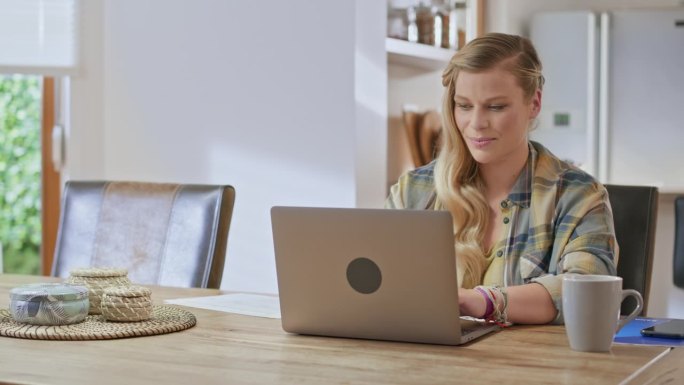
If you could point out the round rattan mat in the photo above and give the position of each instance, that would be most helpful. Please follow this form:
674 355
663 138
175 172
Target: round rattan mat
165 319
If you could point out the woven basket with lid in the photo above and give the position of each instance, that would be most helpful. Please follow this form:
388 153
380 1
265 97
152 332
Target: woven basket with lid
97 280
132 303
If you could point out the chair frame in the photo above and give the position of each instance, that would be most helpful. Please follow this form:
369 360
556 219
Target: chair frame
631 280
678 255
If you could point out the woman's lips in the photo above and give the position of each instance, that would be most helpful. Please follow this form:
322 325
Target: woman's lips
481 142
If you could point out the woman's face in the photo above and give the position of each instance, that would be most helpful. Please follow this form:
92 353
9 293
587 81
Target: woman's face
493 116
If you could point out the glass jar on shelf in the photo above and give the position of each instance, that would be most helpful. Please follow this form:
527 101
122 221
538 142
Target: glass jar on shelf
437 29
402 19
397 22
457 24
444 15
440 23
429 19
412 28
425 19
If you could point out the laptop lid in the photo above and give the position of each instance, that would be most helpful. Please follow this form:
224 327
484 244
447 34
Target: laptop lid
367 273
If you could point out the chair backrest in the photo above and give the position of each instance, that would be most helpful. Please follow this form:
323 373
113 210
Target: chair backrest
678 262
634 213
165 234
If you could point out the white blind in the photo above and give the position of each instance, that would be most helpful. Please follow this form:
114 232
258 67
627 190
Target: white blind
38 36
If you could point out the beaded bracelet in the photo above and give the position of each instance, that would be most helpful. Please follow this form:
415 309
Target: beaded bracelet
498 297
504 315
490 304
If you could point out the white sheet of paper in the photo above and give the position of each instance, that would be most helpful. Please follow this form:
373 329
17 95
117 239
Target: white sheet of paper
248 304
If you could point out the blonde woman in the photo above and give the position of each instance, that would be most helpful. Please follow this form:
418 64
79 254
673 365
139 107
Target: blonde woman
522 217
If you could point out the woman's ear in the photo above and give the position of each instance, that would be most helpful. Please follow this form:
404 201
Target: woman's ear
535 104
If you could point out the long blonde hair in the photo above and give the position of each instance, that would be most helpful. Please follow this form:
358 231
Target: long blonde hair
457 180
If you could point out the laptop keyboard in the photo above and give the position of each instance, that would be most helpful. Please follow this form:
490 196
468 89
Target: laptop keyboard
471 325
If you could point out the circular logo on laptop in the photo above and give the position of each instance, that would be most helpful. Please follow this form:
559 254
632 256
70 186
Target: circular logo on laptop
364 275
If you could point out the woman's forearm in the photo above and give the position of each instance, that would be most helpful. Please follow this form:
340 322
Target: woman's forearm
527 304
530 304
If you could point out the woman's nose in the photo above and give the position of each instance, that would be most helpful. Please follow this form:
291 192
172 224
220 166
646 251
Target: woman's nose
479 120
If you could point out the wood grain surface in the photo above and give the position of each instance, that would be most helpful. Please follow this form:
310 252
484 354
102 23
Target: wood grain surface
231 348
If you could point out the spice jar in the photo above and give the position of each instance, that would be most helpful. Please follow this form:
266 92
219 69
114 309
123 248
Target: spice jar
425 20
97 280
397 23
132 303
457 24
49 304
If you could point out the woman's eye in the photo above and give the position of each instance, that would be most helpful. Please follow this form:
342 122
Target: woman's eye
497 107
464 107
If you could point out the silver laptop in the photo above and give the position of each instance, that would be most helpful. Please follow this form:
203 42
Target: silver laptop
369 273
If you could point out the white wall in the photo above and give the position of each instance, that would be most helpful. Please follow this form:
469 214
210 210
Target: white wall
266 96
83 105
371 92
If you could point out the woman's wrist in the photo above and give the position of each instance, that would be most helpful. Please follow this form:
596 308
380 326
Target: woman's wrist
473 304
496 299
490 305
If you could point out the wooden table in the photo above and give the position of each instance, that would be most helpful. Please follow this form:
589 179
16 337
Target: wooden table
231 348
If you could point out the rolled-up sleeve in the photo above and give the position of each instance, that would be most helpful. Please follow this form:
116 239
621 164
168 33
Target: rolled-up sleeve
584 242
575 263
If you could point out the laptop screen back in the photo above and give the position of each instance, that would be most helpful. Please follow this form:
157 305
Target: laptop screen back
367 273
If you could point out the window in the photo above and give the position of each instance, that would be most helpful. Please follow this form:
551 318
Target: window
20 173
37 38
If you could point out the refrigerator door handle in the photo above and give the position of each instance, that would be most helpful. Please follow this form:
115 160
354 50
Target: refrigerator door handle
592 94
603 127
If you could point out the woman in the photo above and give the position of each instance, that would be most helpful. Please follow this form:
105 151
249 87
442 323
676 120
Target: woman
522 217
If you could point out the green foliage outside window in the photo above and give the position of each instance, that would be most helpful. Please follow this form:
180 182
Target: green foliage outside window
20 167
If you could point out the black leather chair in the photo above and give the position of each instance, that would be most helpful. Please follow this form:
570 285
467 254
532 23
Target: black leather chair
678 262
164 234
635 209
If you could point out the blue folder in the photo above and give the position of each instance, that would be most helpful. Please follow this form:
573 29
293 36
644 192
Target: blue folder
631 334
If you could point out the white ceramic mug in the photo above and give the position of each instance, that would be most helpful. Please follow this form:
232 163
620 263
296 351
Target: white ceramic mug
591 310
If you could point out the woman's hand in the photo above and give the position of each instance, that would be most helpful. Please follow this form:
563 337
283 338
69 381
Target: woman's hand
471 303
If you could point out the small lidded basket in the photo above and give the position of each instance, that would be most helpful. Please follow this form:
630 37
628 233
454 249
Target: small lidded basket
127 304
49 304
97 280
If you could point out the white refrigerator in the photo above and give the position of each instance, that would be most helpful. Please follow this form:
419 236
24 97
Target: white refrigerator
613 102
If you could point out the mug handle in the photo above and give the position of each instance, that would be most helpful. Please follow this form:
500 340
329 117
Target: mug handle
640 305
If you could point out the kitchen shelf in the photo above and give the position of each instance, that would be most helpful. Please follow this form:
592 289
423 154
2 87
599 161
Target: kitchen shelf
423 56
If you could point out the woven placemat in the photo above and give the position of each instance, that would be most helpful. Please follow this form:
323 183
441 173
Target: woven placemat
165 319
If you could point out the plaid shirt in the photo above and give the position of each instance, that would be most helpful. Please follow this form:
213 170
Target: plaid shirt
557 220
